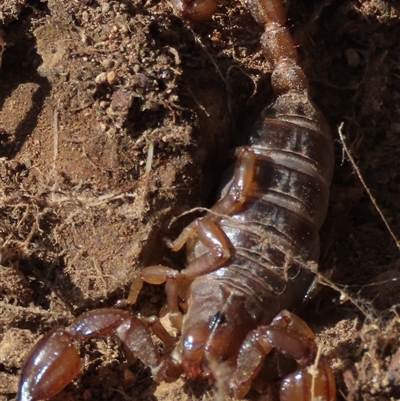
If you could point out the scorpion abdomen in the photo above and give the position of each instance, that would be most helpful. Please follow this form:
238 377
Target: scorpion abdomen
288 200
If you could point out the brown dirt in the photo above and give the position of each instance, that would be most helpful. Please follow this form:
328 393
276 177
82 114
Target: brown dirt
86 87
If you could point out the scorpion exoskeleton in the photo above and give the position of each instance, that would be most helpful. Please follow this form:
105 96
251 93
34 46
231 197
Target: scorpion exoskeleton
247 261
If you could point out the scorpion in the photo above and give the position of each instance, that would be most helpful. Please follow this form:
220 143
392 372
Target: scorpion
248 257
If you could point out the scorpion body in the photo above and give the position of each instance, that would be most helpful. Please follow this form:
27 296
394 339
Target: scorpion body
247 258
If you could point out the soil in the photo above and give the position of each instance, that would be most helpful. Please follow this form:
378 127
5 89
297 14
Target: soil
89 89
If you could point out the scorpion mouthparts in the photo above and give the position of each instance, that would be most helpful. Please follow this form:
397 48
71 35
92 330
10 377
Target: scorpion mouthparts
168 370
192 371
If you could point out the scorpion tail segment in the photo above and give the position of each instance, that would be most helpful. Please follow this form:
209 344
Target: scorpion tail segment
309 384
195 10
288 77
265 11
52 364
278 46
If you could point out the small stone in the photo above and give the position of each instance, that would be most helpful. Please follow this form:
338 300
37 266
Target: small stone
101 78
105 7
352 57
112 78
108 63
85 16
121 102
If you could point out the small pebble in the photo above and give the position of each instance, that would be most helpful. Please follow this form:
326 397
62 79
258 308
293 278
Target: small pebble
111 77
352 57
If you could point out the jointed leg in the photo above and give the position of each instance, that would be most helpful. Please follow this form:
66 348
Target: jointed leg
232 202
291 336
211 235
208 232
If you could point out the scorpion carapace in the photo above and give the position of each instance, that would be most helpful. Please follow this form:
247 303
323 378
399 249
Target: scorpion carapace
247 260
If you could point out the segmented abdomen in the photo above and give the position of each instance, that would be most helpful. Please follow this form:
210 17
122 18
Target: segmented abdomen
278 230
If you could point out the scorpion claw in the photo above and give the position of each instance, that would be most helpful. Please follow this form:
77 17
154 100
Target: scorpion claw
52 364
309 384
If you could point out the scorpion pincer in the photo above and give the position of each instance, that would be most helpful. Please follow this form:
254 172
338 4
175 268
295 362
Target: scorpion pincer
247 256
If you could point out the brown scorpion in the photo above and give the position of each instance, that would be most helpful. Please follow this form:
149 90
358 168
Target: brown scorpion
248 255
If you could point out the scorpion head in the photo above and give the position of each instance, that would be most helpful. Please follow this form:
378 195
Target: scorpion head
213 329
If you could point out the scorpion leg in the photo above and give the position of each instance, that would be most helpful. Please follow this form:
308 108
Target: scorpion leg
51 365
233 202
291 336
208 231
54 361
159 275
213 237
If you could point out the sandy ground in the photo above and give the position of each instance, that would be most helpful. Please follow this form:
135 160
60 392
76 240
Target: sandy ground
88 87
